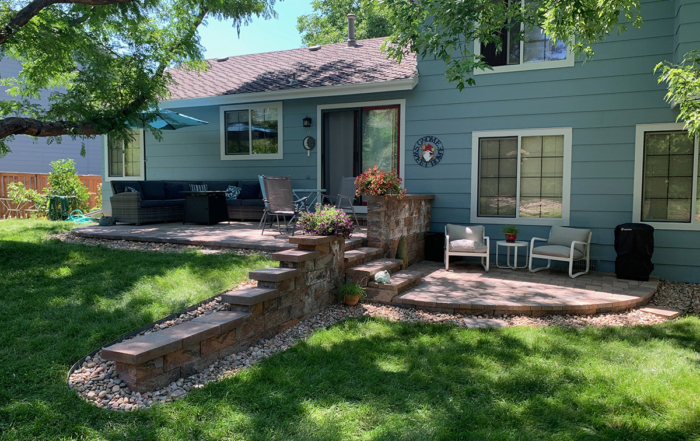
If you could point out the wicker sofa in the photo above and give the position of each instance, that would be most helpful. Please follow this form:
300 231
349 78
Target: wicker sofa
163 201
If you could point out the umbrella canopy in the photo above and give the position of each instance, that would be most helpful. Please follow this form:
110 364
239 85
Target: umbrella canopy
169 120
166 120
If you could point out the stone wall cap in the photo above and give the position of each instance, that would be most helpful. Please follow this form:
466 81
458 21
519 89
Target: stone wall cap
249 296
274 274
372 198
225 320
313 240
294 256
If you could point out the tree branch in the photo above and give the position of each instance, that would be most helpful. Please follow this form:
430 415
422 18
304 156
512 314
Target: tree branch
32 127
24 15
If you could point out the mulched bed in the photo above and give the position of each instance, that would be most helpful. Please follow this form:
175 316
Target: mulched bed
684 297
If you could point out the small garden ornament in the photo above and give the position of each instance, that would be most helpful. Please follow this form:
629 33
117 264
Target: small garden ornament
382 277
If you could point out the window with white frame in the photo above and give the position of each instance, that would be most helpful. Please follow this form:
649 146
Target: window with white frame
125 157
535 50
521 176
666 177
251 131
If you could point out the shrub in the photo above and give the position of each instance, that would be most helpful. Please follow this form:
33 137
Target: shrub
23 195
98 199
327 220
64 181
375 182
351 289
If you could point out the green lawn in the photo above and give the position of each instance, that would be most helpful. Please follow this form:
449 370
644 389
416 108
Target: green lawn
362 379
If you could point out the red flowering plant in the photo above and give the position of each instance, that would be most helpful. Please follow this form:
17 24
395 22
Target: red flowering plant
375 182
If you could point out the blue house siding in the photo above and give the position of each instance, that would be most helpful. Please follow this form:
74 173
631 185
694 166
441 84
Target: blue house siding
195 153
602 99
30 156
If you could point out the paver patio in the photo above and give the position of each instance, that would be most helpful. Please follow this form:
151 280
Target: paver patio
234 235
467 288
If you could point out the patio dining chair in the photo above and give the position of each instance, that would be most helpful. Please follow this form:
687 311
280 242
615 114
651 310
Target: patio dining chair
566 245
279 200
346 196
468 241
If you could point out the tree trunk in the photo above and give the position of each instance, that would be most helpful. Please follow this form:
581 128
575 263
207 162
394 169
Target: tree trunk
32 127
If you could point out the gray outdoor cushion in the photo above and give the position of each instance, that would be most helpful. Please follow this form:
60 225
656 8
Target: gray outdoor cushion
467 246
557 251
163 203
471 232
564 236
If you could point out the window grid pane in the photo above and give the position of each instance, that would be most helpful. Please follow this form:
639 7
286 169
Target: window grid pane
541 177
116 157
237 132
667 186
264 130
132 155
498 177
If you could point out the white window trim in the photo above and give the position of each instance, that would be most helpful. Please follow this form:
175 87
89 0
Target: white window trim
566 184
570 60
639 178
105 147
252 157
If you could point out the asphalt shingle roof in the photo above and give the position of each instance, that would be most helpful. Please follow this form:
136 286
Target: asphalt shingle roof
331 65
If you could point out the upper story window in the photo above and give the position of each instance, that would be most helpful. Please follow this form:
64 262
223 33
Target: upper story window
535 51
251 131
125 158
666 177
521 176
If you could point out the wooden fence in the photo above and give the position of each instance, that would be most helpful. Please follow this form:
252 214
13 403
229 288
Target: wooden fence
38 181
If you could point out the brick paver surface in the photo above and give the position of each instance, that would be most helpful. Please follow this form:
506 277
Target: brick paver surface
234 235
468 287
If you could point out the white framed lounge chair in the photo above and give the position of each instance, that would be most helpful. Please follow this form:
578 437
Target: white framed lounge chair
566 245
468 241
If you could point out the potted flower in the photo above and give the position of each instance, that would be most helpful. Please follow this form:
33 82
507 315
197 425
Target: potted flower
374 182
351 293
327 220
511 233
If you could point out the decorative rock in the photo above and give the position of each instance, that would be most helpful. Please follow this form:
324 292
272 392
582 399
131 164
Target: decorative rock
115 389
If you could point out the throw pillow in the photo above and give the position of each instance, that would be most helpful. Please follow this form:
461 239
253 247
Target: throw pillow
232 192
198 187
130 190
249 191
466 245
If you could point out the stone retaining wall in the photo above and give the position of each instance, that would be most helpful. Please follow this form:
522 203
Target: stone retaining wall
302 286
390 218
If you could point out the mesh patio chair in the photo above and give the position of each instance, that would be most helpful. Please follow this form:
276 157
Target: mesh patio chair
280 201
346 196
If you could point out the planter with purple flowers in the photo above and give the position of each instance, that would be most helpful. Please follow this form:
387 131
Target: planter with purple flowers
327 220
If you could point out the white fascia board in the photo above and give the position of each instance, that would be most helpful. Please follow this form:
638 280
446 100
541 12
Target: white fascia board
312 92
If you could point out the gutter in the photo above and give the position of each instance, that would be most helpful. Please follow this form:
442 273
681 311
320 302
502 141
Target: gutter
290 94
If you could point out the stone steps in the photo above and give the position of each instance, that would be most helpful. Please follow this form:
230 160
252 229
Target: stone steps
249 296
365 272
354 243
361 255
401 282
274 275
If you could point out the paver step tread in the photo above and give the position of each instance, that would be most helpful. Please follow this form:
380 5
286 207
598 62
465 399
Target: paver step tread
294 255
248 296
662 312
373 267
399 280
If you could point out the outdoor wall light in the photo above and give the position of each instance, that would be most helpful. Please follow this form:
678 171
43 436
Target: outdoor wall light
307 122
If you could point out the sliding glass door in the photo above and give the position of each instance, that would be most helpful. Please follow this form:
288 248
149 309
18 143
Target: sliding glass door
380 138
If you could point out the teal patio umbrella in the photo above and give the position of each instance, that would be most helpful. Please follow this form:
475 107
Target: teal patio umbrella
166 120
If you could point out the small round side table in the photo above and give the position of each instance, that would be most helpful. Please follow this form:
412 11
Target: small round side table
515 245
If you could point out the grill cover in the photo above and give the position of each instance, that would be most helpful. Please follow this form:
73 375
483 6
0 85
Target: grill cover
634 244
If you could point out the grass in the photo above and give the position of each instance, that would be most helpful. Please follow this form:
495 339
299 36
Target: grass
361 379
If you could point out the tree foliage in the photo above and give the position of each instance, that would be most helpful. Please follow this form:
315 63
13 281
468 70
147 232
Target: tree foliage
108 59
329 24
684 88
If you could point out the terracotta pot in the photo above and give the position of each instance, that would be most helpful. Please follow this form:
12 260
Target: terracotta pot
351 300
510 237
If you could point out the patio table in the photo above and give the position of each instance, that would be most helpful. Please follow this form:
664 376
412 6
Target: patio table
515 245
205 207
316 192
